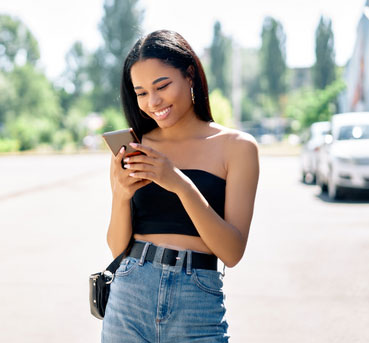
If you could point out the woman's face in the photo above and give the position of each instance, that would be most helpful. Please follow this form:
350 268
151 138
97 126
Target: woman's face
163 93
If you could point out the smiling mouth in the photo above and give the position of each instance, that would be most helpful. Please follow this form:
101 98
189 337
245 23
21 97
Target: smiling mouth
163 112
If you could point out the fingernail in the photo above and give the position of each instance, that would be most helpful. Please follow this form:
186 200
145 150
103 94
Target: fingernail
121 150
127 166
126 159
132 174
133 145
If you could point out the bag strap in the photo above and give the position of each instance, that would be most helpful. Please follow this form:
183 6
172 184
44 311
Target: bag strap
115 264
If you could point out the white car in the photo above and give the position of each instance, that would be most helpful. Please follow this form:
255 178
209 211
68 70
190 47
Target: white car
310 150
344 159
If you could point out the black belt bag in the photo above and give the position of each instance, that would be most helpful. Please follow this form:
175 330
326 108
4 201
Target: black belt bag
100 287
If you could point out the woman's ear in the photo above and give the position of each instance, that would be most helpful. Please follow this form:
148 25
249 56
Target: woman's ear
191 74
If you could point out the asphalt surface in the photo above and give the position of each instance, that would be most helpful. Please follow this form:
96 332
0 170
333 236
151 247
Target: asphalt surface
304 276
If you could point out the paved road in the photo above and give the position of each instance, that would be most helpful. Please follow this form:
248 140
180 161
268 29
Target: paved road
304 277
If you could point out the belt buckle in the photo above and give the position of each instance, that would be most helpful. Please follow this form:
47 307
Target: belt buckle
168 254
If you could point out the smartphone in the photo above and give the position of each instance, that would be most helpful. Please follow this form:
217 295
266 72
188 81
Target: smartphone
116 139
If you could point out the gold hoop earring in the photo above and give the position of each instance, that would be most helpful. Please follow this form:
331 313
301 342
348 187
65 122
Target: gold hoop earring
192 96
143 114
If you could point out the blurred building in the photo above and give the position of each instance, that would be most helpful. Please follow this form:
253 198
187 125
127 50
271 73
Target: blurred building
356 96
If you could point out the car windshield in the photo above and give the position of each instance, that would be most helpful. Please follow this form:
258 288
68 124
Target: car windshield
353 132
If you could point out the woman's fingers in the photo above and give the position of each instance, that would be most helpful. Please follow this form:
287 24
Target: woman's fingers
142 175
146 149
138 166
119 156
140 159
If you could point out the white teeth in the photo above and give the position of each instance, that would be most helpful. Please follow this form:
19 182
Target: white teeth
161 113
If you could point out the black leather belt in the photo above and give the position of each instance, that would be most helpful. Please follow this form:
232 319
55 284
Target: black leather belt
198 260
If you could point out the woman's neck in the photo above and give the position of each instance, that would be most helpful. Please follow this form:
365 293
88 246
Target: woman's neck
187 128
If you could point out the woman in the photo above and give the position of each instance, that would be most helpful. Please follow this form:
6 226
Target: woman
187 200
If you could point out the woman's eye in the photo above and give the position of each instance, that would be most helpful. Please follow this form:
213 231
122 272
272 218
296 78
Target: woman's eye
162 87
141 94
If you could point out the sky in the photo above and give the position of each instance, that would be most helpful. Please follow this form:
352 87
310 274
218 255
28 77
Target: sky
58 24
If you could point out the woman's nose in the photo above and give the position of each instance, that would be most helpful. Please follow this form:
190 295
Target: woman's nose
154 100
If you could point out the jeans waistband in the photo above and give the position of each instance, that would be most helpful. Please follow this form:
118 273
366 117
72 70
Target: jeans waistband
147 251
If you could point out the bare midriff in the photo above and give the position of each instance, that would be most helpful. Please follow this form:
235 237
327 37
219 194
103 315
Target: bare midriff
175 241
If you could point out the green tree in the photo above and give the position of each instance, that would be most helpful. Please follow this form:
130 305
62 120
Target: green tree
307 106
120 27
29 108
97 75
221 108
251 88
324 69
75 82
17 44
113 120
220 50
77 60
273 58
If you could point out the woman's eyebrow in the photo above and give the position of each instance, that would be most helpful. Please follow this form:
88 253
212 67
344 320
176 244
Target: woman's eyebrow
154 82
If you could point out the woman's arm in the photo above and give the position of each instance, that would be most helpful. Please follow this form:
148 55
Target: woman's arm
123 187
226 237
120 227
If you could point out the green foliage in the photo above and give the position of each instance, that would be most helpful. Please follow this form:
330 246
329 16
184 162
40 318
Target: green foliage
120 27
75 79
74 123
309 106
30 132
77 60
62 139
324 67
34 94
273 58
113 120
29 107
268 105
220 51
9 145
97 75
8 96
221 108
17 44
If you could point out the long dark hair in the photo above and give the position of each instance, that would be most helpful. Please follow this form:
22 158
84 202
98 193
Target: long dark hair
172 49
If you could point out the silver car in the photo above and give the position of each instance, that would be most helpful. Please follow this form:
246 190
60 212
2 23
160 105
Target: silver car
344 159
310 150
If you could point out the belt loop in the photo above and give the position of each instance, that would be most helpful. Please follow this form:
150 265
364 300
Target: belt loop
144 252
189 262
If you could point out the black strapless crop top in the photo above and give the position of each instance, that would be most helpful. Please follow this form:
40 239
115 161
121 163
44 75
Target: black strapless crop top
156 210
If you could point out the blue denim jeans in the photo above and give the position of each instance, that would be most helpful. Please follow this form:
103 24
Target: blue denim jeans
156 303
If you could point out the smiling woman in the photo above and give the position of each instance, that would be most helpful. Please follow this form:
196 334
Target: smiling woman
157 98
179 58
187 201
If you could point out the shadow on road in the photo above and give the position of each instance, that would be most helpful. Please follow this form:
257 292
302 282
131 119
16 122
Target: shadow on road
350 196
356 196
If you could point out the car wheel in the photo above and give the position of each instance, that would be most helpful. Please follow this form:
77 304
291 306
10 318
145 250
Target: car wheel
303 177
334 191
321 184
308 178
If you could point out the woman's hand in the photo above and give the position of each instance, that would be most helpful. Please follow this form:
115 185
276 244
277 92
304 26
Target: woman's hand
123 186
154 166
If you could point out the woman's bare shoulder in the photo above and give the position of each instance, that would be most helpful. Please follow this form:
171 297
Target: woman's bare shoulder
233 138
